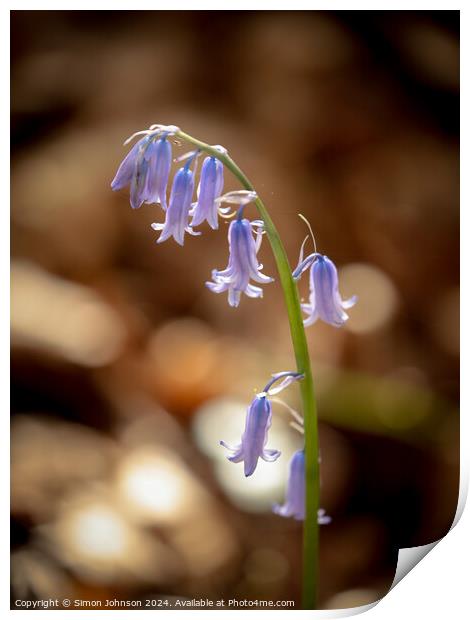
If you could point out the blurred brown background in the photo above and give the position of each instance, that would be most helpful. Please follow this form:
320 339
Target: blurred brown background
127 370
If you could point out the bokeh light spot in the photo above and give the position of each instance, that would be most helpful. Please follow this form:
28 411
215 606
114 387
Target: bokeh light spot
377 297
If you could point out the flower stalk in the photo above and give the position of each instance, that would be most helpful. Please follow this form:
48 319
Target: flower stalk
299 342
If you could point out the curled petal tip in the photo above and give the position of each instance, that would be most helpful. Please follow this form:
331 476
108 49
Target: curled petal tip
349 303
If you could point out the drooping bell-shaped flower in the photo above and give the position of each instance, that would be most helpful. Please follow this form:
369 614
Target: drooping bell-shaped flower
126 169
133 170
159 158
146 169
257 423
294 506
177 215
210 188
325 301
255 436
242 265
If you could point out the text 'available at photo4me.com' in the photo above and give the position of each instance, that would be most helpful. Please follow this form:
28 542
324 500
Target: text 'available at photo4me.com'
161 603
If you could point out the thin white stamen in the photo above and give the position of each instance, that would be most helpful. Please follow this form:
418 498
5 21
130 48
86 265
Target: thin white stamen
302 217
297 427
187 155
301 255
295 414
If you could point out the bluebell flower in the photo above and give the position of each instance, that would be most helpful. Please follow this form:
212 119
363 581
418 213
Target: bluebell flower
255 436
177 215
133 170
294 505
126 169
159 157
146 169
257 424
325 301
242 265
210 188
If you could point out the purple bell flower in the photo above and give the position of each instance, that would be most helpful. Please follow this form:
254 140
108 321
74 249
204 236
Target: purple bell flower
139 189
126 169
159 158
133 170
257 424
294 506
242 265
255 436
146 169
325 301
210 188
177 215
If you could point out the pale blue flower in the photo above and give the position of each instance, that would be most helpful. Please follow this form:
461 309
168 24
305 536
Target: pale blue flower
242 265
159 157
325 301
133 170
255 436
257 424
210 188
146 169
294 506
126 169
177 215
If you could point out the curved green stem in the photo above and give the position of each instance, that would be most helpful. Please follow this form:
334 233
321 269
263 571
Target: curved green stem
299 342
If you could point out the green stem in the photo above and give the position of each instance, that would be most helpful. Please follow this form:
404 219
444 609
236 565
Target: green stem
299 342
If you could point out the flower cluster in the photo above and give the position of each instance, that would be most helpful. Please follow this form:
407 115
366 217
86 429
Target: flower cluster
146 169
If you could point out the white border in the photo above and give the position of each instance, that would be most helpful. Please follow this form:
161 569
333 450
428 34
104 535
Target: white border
440 585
